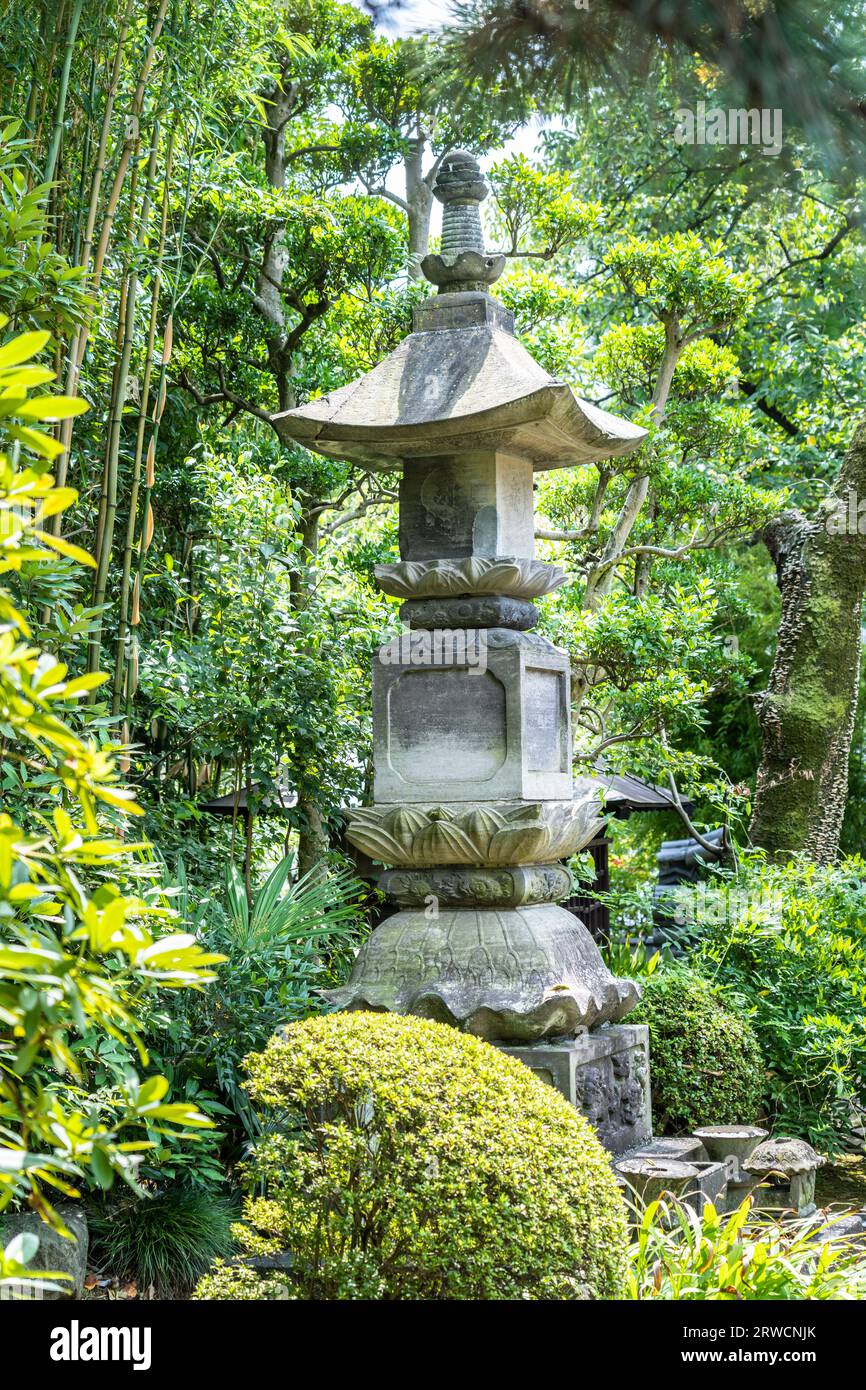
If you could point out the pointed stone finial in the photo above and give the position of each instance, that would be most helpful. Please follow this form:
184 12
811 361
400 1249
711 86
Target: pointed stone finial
462 263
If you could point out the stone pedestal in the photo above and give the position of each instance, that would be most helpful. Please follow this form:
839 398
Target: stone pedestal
604 1075
646 1178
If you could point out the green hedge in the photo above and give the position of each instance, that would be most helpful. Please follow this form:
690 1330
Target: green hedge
705 1062
417 1162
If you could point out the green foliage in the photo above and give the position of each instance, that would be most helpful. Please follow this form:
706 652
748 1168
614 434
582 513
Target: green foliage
538 210
164 1240
16 1267
251 681
680 279
789 943
680 1255
38 287
546 317
75 951
278 954
630 959
421 1163
706 1062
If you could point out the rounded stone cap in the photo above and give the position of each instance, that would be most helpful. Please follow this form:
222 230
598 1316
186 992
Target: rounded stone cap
730 1132
785 1157
460 179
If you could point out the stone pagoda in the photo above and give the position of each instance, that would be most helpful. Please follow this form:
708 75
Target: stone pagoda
473 811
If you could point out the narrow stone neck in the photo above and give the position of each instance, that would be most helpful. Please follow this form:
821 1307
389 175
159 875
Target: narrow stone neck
461 230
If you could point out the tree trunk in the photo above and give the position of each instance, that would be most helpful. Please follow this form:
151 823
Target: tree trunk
313 840
807 712
419 204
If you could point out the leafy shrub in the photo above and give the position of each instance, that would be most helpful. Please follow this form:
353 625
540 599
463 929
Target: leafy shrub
705 1060
680 1255
77 953
789 942
277 956
631 959
421 1163
166 1241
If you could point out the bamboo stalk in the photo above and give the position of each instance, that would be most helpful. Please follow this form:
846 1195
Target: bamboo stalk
49 71
85 159
168 336
108 496
79 338
129 145
57 132
118 693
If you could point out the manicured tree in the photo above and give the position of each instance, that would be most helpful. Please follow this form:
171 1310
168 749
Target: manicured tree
752 410
421 1163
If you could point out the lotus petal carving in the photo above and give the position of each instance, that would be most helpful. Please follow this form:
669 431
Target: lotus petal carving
480 833
514 975
507 575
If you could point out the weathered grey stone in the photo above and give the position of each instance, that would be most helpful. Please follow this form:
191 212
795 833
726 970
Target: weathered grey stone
453 730
516 975
456 310
453 390
453 887
730 1141
648 1178
473 760
479 833
55 1252
472 504
682 1148
604 1075
463 263
511 576
474 613
786 1169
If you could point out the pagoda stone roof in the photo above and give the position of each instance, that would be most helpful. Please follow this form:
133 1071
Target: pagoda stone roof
459 382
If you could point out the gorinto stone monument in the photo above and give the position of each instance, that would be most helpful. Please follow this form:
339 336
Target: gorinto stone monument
473 808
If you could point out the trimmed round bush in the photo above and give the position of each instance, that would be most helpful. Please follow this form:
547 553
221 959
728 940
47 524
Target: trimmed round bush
417 1162
705 1062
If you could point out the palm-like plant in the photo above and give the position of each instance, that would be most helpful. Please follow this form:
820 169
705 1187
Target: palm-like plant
280 951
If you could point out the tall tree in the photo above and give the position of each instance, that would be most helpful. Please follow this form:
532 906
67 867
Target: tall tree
807 711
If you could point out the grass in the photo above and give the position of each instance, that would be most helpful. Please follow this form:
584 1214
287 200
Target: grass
166 1241
843 1181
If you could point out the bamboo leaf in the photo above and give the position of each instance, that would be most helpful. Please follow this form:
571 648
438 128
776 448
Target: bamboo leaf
52 408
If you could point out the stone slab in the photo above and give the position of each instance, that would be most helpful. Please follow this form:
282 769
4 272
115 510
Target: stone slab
683 1150
603 1074
55 1252
460 721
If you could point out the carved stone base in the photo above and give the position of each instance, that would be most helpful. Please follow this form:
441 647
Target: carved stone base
469 612
516 975
468 887
604 1075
